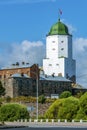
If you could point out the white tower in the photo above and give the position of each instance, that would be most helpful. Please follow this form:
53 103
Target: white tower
59 59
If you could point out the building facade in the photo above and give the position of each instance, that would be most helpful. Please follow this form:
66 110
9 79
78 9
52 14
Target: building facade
30 70
18 85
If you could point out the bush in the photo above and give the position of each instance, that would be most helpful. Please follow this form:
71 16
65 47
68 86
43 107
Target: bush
42 99
69 109
65 94
52 112
11 112
82 113
63 109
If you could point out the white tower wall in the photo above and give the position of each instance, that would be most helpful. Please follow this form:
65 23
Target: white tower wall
55 67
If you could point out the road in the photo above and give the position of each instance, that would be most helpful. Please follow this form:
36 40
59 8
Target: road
52 128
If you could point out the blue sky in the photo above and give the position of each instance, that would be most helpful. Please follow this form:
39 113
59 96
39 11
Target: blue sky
25 23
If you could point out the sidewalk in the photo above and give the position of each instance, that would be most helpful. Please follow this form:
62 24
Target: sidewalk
46 124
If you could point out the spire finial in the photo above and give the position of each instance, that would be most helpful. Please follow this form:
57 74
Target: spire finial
59 13
58 19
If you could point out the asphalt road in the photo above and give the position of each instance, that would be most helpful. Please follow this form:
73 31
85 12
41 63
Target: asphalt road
45 128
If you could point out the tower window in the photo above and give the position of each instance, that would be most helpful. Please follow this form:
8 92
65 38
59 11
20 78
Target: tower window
62 49
62 41
50 64
57 64
53 41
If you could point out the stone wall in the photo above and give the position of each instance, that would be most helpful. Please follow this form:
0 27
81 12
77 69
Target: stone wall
22 86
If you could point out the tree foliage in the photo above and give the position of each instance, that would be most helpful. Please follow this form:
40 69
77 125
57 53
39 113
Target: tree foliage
63 109
82 113
69 109
11 112
52 112
65 94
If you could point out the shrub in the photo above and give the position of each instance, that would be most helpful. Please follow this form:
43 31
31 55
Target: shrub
65 94
63 109
69 109
82 113
52 112
11 112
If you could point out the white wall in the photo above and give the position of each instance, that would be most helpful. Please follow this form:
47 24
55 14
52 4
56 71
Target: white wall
59 56
51 66
52 47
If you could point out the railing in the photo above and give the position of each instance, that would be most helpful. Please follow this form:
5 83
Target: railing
50 120
48 123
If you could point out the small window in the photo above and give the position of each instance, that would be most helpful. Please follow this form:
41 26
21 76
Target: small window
50 64
57 64
53 41
62 41
62 49
55 90
42 91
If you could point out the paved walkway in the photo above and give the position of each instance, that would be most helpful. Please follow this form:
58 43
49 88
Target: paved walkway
48 124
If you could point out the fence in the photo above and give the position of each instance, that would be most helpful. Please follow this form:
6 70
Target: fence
50 120
48 123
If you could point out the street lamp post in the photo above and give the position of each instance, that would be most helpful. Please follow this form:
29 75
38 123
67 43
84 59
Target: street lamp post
37 94
37 83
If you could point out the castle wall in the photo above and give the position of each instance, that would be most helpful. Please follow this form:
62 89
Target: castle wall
21 86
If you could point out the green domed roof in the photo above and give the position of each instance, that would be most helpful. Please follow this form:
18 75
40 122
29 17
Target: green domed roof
59 29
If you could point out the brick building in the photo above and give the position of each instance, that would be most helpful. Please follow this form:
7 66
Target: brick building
31 71
15 75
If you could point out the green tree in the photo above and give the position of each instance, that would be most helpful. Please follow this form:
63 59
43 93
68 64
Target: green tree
2 90
82 113
11 112
63 109
52 112
65 94
69 109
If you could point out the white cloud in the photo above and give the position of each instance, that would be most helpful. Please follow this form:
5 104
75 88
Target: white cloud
70 26
80 44
80 54
31 52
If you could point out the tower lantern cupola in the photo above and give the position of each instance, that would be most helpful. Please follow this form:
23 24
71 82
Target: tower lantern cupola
59 29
